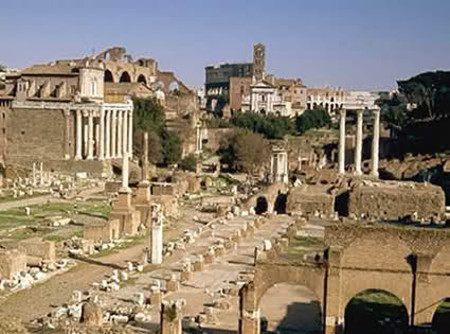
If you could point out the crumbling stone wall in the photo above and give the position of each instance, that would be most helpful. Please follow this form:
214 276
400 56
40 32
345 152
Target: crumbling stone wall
391 200
38 248
106 231
11 263
307 199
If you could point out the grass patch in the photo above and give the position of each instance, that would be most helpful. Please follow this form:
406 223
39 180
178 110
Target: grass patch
306 242
129 282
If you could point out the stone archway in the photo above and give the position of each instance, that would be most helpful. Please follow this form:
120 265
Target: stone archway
441 317
141 79
262 205
376 311
108 77
125 77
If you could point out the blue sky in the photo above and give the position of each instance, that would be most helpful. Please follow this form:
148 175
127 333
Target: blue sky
364 44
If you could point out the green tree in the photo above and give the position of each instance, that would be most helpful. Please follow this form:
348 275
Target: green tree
245 151
171 147
188 163
271 127
312 119
148 115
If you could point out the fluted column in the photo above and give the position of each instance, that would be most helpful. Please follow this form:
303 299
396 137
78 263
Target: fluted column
101 151
114 134
108 134
375 142
90 152
125 132
79 134
342 113
359 140
119 133
130 133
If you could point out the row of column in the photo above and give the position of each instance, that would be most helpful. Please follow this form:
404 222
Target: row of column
103 134
359 142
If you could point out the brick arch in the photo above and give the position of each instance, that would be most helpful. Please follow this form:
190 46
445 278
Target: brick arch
270 193
141 78
124 76
109 76
309 276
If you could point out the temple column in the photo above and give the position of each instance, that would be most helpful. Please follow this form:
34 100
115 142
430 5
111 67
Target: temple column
359 141
119 133
125 132
85 134
375 142
342 141
79 132
108 134
101 150
113 134
130 133
90 155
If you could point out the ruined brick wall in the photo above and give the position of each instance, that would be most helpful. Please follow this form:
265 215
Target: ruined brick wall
307 199
239 88
106 231
391 200
37 133
38 248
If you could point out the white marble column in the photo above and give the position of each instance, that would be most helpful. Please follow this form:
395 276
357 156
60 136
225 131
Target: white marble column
119 133
125 132
97 140
342 113
90 155
114 134
85 135
108 135
79 133
130 133
359 141
101 151
375 142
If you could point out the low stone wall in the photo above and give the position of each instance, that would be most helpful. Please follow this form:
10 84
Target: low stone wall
106 231
392 200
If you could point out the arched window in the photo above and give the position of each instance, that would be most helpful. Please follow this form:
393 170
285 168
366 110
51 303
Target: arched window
93 87
125 77
108 76
141 79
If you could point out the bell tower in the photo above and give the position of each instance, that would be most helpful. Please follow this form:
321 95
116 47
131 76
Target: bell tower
259 61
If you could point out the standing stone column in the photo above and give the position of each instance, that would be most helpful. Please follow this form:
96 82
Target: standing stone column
125 133
144 176
97 140
119 133
34 174
101 151
41 173
114 134
171 316
79 131
342 113
130 133
125 171
359 141
108 135
90 155
375 142
157 234
67 135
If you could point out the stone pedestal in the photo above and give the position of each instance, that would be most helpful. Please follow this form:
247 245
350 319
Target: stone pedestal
199 265
220 250
172 285
156 298
142 202
209 258
123 211
92 315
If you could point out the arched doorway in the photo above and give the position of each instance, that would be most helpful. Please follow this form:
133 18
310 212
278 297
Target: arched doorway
280 203
174 87
288 308
441 318
108 77
261 205
125 77
141 79
376 311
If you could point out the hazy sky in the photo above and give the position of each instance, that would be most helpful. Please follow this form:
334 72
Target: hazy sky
360 44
